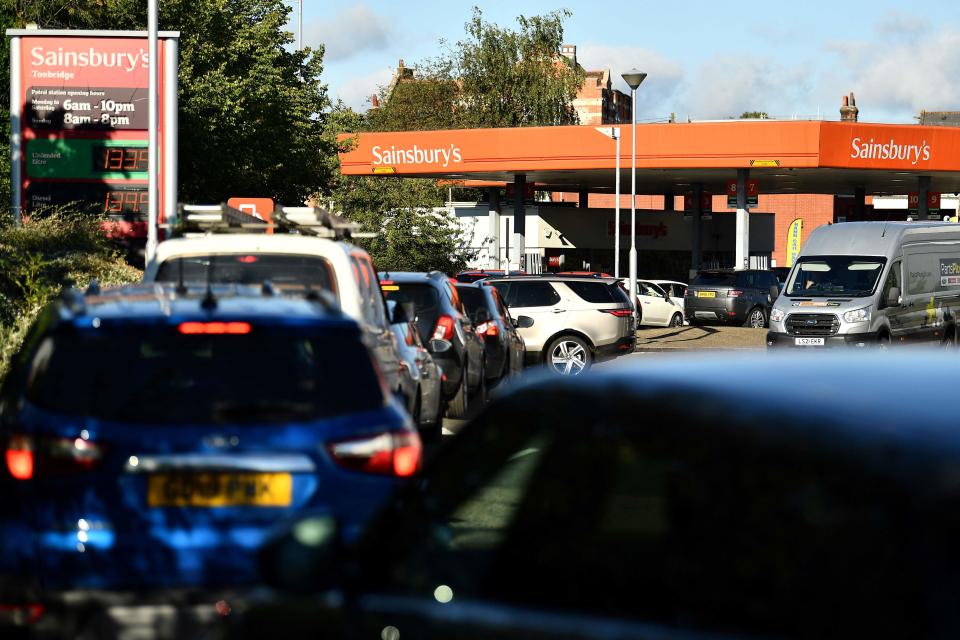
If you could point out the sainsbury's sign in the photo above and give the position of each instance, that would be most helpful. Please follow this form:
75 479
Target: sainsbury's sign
393 156
861 149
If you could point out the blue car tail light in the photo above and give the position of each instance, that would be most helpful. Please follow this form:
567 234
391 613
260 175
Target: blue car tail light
28 457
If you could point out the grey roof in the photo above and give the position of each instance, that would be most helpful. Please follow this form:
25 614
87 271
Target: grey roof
940 118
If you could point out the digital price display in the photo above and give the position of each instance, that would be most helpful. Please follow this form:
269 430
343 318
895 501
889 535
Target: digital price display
112 159
128 201
125 201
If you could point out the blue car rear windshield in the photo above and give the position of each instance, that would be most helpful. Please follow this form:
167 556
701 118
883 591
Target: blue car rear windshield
157 375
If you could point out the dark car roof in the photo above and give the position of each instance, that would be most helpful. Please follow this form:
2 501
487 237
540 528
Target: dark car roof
413 276
852 404
143 301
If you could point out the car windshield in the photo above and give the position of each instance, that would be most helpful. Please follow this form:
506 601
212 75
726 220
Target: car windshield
294 271
823 276
266 375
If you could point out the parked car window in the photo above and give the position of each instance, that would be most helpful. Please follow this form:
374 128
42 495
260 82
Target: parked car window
709 279
281 270
650 289
172 378
533 294
501 308
596 292
473 299
746 280
374 304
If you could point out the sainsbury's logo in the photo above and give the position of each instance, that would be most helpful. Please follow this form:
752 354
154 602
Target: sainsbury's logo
415 155
89 57
889 151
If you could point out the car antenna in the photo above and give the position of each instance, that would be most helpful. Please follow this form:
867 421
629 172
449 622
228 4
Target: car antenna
209 302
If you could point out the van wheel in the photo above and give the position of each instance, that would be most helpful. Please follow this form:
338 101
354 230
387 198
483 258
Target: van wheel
569 356
457 408
756 319
676 320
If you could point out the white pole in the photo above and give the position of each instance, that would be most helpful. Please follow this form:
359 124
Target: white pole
616 220
633 198
16 126
300 25
152 150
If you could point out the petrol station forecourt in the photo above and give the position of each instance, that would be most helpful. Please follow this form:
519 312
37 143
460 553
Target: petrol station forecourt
694 159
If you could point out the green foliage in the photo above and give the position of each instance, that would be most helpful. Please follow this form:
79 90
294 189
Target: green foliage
41 257
516 78
754 115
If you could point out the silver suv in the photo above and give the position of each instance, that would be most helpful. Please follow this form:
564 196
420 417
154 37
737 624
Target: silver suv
576 320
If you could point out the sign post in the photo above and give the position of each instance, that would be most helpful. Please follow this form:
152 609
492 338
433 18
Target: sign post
79 123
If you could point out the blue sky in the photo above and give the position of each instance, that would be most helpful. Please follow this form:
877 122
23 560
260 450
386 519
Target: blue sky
704 59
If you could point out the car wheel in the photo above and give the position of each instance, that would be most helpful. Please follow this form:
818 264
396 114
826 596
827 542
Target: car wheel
676 320
883 341
457 408
756 319
480 395
569 356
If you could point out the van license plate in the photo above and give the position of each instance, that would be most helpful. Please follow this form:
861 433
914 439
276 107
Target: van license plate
808 342
706 294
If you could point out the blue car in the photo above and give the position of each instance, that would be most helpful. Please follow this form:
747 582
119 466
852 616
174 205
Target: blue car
154 437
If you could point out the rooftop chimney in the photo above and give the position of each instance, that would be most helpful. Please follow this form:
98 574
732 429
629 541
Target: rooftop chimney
374 101
569 51
849 111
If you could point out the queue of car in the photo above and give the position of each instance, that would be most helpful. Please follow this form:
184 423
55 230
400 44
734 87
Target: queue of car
156 434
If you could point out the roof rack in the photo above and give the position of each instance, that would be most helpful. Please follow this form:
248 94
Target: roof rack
222 218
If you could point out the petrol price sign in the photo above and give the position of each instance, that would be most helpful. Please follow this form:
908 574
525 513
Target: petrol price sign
82 106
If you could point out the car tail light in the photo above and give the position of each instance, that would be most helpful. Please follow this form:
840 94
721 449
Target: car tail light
620 313
20 614
214 328
444 328
391 454
382 282
27 458
734 293
488 329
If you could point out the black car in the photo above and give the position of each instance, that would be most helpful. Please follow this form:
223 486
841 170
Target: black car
505 351
731 297
446 327
558 514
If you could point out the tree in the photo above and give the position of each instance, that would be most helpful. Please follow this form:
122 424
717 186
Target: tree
516 78
754 115
252 112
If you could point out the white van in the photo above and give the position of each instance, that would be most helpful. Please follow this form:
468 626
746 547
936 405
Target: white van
871 283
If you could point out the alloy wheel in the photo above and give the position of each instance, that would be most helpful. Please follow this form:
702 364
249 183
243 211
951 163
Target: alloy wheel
569 358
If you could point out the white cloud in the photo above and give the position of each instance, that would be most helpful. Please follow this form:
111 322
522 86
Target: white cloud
914 72
357 90
350 31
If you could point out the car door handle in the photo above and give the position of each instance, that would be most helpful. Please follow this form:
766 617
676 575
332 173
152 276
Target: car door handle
559 310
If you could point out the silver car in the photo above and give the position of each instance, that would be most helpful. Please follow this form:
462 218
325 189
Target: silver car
568 322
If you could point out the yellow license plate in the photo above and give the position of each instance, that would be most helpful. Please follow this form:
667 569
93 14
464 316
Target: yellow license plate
219 490
389 287
706 294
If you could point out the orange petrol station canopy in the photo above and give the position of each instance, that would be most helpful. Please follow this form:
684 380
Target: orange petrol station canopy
786 156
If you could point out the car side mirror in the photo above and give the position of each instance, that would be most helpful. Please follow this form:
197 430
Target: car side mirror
893 297
439 346
774 291
304 556
523 322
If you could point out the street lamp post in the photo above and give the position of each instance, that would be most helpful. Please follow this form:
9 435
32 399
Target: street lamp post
615 131
633 78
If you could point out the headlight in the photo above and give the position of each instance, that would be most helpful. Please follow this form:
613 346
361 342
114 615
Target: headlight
857 315
776 315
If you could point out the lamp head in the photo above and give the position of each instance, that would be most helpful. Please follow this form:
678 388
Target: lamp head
633 78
